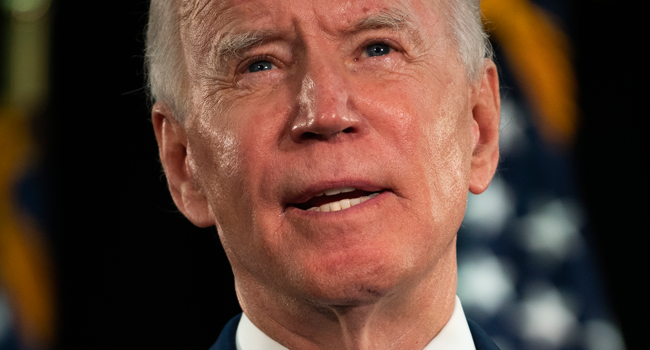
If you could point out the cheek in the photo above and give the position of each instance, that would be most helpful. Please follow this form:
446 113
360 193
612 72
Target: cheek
449 157
426 129
216 164
232 152
431 125
396 109
220 168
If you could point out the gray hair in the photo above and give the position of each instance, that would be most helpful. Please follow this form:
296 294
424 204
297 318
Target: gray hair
164 58
167 71
464 18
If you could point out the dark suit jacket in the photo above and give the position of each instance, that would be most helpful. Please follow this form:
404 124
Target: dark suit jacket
226 339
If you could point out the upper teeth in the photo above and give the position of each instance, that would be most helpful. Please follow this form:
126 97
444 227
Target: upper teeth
343 203
336 191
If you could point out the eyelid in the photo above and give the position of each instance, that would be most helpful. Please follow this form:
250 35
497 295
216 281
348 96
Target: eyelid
391 43
245 63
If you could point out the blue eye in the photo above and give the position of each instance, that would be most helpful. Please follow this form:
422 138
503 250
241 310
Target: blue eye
260 66
375 50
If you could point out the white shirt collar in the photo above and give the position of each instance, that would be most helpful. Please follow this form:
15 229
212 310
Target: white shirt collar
454 335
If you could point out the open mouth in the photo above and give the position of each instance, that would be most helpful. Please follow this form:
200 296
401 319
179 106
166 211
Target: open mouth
336 199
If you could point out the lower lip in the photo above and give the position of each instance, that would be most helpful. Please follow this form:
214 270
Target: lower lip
361 206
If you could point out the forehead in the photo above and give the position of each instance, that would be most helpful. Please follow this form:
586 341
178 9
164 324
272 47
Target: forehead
210 18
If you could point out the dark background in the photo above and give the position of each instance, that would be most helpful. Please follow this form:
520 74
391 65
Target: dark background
133 273
609 160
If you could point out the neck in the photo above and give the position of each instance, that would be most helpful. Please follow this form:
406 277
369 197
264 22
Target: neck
407 318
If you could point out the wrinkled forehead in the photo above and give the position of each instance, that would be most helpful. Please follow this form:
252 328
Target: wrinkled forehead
201 19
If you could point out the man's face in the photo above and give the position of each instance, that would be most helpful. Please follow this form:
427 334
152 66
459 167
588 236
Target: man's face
294 98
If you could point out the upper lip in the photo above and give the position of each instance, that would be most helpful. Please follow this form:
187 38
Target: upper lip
308 192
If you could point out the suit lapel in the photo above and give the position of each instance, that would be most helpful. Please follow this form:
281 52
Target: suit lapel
228 335
481 340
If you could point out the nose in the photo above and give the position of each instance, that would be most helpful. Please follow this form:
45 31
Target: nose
325 106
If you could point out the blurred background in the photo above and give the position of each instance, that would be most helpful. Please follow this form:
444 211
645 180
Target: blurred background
93 254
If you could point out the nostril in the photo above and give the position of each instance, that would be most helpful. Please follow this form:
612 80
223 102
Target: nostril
309 135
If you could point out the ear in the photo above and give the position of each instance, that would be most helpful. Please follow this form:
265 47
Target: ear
487 115
172 145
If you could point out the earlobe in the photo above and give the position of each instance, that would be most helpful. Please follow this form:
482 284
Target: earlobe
172 145
485 129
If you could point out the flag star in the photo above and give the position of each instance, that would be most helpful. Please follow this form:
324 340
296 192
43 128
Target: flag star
547 318
484 282
489 213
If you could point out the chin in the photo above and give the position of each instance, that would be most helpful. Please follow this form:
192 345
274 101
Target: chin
353 278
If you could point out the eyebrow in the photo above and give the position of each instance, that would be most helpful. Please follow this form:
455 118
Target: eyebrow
393 19
234 44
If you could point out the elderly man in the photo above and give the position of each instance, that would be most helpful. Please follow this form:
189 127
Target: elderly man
332 144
